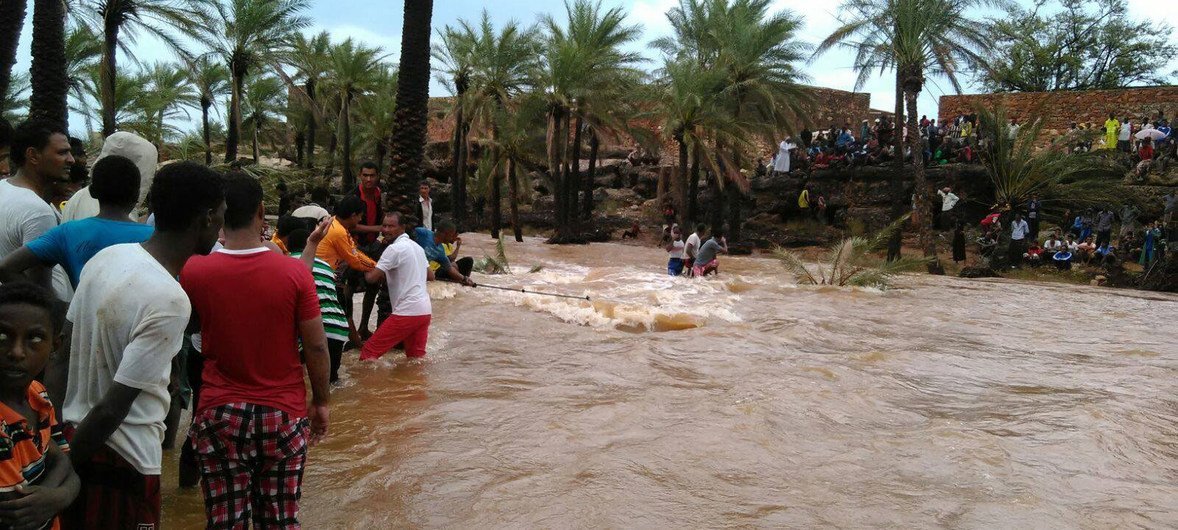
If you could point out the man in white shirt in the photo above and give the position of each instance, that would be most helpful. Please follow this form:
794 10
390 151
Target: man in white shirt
425 206
948 201
691 248
41 159
404 267
1018 240
1123 136
781 161
123 328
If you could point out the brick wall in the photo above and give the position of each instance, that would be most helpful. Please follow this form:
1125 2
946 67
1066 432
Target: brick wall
1060 109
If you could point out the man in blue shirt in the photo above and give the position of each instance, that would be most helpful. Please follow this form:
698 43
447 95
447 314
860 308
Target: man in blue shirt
434 245
115 184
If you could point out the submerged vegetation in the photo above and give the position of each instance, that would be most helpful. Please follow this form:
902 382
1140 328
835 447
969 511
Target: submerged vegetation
851 262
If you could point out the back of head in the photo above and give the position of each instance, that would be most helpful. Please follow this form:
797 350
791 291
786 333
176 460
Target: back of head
136 149
243 199
409 222
288 224
701 228
32 134
25 293
115 181
319 195
182 192
349 206
446 225
296 240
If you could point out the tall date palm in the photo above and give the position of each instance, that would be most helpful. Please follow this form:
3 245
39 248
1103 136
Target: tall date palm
409 128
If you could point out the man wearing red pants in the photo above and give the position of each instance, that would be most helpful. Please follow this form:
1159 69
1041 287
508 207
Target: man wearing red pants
404 267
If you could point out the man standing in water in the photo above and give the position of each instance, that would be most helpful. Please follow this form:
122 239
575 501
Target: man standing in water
691 247
127 318
339 249
367 233
405 268
255 309
705 261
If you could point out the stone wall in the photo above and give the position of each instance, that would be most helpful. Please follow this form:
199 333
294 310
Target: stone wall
1061 108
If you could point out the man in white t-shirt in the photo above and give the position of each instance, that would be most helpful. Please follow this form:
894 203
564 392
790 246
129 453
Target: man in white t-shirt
404 267
41 158
124 326
83 205
691 247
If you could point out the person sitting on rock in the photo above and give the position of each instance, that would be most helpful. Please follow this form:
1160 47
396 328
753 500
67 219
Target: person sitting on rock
1034 254
632 232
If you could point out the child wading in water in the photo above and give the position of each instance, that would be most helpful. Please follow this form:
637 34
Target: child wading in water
37 481
675 252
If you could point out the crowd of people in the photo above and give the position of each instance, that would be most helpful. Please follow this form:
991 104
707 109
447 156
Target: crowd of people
151 291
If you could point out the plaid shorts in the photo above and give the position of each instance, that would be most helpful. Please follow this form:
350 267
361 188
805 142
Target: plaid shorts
114 495
251 459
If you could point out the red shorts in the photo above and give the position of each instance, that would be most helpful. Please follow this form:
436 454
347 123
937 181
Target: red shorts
413 331
114 495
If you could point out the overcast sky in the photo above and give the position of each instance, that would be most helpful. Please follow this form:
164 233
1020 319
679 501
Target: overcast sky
378 22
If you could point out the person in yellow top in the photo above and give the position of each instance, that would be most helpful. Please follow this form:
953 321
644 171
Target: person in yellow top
1111 128
340 251
804 201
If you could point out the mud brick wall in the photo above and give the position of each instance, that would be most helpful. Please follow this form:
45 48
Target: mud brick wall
1060 109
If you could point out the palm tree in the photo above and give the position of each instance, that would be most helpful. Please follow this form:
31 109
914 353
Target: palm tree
505 62
264 99
518 141
14 105
48 74
169 95
580 57
352 70
455 55
376 113
211 80
83 48
246 34
309 58
122 21
923 37
409 128
12 20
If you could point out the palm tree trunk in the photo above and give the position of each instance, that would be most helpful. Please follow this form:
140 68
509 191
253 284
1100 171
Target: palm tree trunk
254 141
591 177
513 196
48 73
382 150
205 103
458 179
496 183
575 184
923 200
566 229
411 117
300 141
107 72
332 145
682 176
553 163
899 198
233 136
12 20
693 187
309 160
345 121
717 217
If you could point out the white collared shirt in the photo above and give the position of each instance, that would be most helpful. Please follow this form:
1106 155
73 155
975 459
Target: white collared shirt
427 212
404 265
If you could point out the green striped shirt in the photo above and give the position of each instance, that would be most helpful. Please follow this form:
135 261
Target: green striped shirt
335 322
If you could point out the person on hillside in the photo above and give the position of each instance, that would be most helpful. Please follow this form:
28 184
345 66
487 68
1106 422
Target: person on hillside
1085 249
1033 207
434 245
256 309
133 147
340 250
335 321
1018 240
72 244
1104 227
781 161
1034 254
1169 204
37 481
404 268
675 252
125 324
705 261
804 202
691 247
1123 136
425 205
1153 233
959 243
1146 151
948 202
42 157
314 210
1112 128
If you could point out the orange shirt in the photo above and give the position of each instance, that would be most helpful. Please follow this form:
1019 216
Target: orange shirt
338 247
23 448
278 241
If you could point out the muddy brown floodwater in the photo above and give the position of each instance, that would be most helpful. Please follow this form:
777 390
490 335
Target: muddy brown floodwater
745 400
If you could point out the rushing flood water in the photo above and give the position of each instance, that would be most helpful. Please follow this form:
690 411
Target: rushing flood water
745 400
